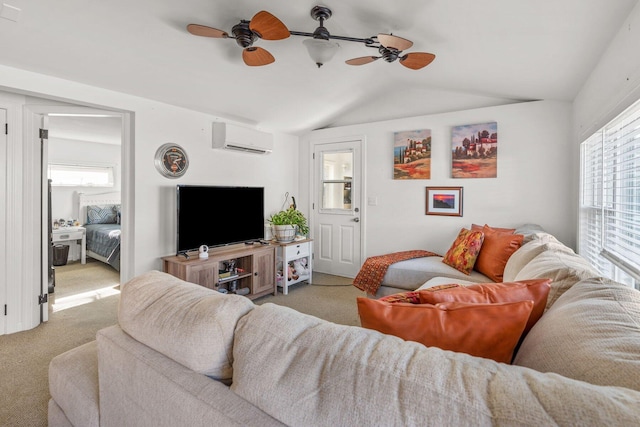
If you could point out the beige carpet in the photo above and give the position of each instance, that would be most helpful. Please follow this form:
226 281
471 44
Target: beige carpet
25 356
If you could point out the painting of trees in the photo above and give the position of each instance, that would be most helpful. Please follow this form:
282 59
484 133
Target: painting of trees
474 151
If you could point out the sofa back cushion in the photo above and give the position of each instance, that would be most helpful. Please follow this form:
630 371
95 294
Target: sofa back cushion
305 371
592 334
563 268
188 323
529 251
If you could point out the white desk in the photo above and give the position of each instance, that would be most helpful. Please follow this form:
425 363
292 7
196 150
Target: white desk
69 234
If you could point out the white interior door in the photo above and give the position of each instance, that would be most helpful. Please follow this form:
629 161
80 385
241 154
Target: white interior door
337 208
3 219
46 237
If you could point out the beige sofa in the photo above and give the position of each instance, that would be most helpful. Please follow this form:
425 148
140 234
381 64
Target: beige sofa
429 271
182 355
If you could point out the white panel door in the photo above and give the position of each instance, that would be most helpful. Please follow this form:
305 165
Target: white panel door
337 208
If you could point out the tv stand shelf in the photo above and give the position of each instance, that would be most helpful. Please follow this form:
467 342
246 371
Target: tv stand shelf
256 266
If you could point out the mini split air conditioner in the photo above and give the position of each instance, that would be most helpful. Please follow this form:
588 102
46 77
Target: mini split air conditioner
233 137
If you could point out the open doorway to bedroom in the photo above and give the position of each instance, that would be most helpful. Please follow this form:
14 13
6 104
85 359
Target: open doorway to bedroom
84 171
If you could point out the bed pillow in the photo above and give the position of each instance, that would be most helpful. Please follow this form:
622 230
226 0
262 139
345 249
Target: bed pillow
497 248
464 251
536 290
491 331
101 214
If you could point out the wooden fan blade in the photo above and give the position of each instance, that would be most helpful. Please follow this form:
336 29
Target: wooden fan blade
268 26
362 60
417 60
256 56
388 40
204 31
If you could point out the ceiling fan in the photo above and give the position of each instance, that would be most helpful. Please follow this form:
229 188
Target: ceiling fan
390 48
263 25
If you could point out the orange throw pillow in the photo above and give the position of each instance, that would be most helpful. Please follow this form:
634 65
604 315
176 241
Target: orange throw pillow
501 230
464 251
491 331
536 290
497 248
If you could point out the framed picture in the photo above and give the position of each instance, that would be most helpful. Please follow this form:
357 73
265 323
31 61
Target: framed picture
412 154
445 201
474 151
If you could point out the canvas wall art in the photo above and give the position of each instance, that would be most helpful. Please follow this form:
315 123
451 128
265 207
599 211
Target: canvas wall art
412 154
475 151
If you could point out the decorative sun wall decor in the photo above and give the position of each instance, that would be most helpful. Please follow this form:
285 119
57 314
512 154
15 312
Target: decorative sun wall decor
412 154
475 151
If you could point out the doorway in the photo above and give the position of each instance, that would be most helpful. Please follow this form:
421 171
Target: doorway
337 207
83 158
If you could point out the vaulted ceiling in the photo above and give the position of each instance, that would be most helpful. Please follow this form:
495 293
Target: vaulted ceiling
488 52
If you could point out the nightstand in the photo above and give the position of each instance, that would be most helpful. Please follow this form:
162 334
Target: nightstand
71 234
288 253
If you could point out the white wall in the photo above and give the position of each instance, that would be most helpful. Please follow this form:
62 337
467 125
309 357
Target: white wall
535 181
152 232
64 201
614 84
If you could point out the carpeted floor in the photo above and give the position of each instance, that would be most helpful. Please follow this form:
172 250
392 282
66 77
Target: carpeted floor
25 356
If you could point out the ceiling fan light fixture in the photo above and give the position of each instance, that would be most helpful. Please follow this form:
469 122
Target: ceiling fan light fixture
321 51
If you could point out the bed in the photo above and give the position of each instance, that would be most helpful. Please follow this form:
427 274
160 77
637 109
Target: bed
100 216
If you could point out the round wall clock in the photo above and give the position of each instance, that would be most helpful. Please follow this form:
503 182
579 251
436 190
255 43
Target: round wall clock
171 160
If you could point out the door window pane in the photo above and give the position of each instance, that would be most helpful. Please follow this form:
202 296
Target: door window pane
337 174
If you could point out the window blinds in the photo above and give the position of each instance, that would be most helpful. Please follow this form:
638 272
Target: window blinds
621 191
609 229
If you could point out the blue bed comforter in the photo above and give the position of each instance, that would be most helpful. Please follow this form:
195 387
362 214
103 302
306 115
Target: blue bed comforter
104 240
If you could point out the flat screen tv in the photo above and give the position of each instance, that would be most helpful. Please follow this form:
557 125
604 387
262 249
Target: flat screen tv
218 216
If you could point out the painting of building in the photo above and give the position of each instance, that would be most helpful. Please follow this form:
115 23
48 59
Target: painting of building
412 154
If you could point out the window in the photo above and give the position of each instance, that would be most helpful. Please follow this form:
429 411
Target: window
337 172
609 229
80 175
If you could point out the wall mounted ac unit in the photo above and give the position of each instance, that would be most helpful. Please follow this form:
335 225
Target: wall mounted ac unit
233 137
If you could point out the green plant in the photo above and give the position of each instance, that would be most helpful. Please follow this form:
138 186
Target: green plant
291 217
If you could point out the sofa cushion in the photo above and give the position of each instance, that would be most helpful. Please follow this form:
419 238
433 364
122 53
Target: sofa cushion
564 269
191 324
484 330
308 372
592 334
527 230
413 273
464 251
73 385
535 290
497 248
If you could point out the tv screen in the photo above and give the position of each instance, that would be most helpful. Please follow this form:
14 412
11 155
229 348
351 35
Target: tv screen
237 216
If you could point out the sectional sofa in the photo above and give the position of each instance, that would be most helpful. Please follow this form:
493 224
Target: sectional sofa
183 355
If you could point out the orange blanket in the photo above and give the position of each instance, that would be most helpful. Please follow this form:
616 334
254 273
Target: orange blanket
374 268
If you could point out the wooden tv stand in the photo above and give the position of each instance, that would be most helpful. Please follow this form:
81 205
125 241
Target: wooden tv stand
256 266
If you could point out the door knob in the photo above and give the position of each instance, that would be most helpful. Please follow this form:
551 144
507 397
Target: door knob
356 219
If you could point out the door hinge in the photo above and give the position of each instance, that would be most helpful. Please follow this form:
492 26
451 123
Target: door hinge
44 133
5 309
314 156
6 128
43 298
313 206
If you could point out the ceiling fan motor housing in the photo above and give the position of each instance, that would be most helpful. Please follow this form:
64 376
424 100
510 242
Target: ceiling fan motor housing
389 54
243 34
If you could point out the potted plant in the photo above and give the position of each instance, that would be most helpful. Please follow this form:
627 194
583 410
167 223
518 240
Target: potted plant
286 223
